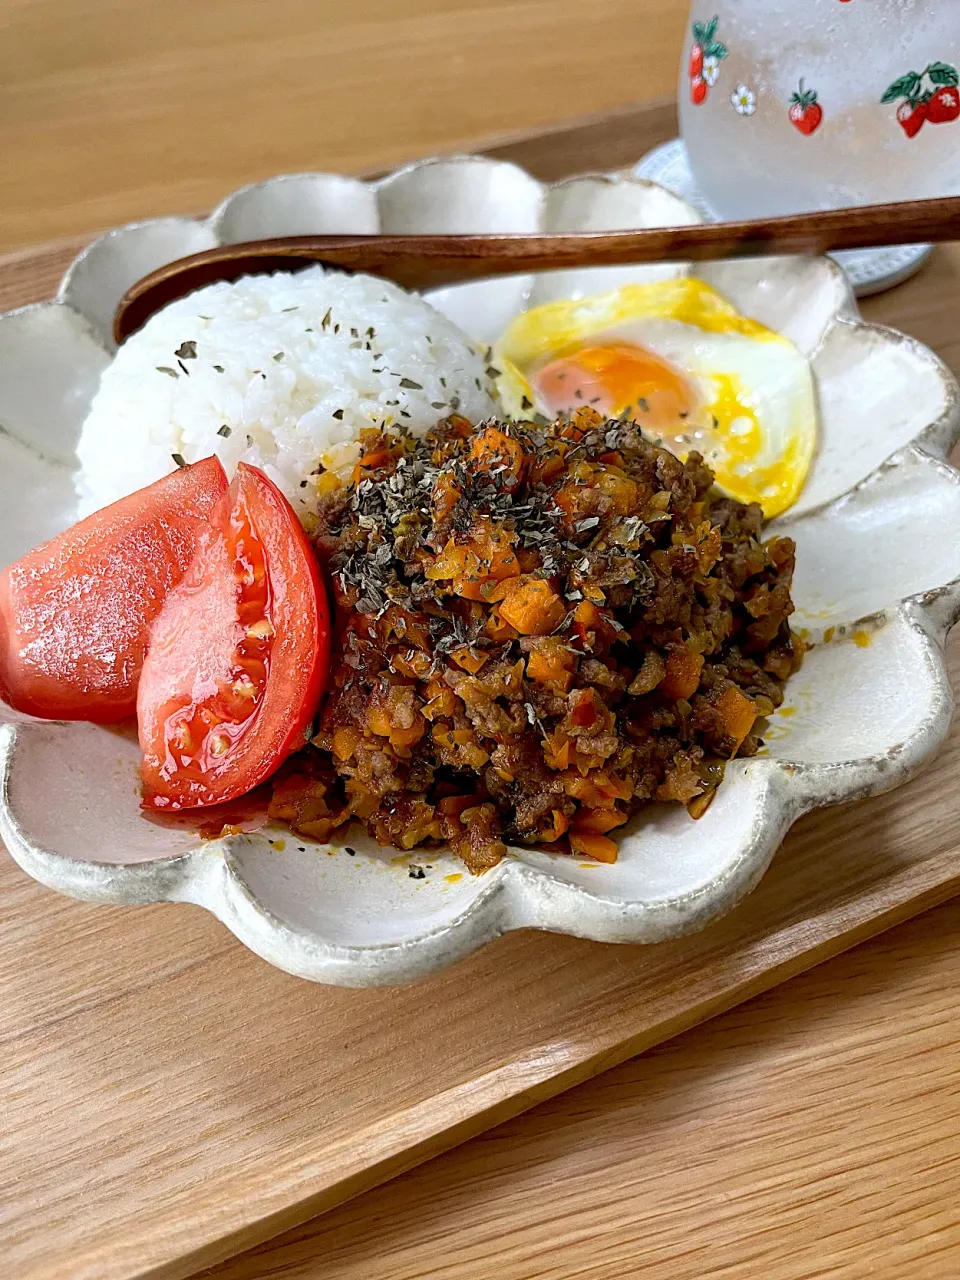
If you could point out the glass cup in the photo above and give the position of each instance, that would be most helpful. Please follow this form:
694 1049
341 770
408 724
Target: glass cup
794 105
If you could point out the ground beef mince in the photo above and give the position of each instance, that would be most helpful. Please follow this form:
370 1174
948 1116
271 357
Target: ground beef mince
541 629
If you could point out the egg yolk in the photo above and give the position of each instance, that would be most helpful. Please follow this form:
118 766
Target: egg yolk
613 378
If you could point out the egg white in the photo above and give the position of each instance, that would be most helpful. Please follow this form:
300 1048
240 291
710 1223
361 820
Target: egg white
755 420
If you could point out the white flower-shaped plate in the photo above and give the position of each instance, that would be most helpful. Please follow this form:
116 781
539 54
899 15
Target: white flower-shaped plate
877 588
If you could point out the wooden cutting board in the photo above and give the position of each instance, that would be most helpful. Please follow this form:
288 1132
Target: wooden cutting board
167 1099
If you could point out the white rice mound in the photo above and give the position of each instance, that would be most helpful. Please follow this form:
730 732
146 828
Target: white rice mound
287 371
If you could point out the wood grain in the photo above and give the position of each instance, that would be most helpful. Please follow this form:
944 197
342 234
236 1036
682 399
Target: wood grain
610 141
812 1132
170 1100
428 261
125 109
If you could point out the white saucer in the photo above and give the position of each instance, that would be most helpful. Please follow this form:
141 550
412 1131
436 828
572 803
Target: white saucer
869 270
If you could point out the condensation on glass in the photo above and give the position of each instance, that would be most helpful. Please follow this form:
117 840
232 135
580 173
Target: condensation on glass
787 106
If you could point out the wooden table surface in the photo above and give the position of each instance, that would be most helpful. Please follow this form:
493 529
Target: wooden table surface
814 1131
112 110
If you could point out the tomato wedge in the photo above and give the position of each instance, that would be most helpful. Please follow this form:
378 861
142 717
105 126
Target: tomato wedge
75 612
237 656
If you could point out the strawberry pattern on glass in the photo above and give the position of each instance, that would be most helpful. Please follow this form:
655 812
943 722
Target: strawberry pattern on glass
931 95
806 113
706 54
799 124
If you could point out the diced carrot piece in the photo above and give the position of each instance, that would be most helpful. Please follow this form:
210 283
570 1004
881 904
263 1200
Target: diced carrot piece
479 590
399 663
738 713
659 502
471 588
369 462
499 591
600 848
463 742
469 659
441 704
460 426
594 487
375 459
442 700
584 712
620 788
345 741
542 471
499 630
453 806
584 420
497 553
413 663
532 606
586 618
709 545
597 821
407 737
571 498
494 448
406 626
617 486
556 751
551 664
683 674
559 822
554 677
582 789
475 565
446 495
454 559
379 722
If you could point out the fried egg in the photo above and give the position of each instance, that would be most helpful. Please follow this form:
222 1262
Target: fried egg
686 366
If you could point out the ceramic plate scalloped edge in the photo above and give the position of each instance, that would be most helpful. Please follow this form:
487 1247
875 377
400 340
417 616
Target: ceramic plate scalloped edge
362 921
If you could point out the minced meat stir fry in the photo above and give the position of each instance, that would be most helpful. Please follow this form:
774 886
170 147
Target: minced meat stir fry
540 629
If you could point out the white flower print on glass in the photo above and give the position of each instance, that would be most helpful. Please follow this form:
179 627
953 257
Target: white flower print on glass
744 100
711 70
879 125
